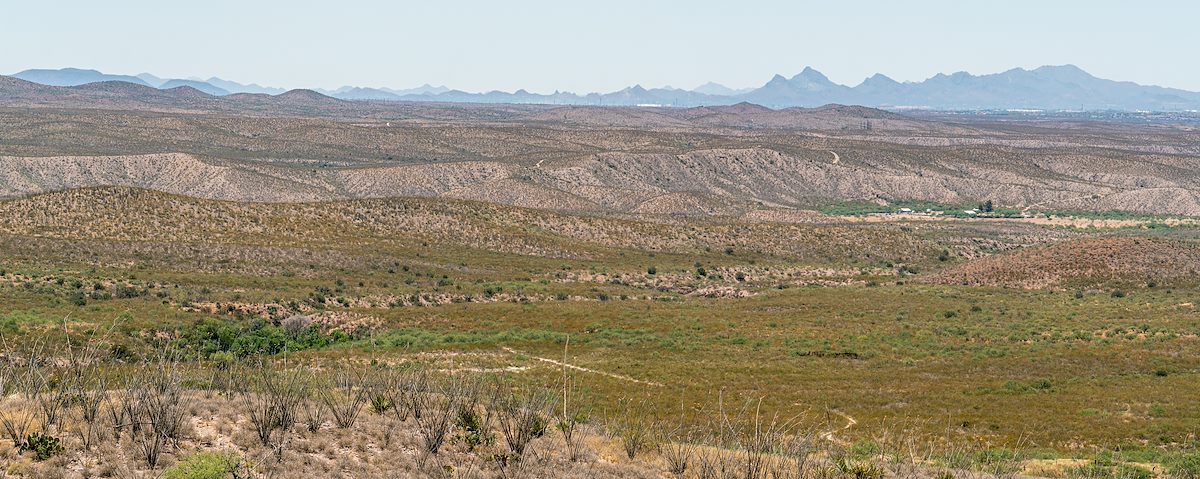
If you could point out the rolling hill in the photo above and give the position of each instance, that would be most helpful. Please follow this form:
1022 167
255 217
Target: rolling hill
1084 262
725 160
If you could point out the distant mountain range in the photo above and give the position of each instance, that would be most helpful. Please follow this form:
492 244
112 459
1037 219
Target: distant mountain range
75 76
1048 88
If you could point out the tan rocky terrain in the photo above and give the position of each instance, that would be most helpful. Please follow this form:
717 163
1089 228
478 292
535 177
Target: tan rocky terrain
727 161
702 182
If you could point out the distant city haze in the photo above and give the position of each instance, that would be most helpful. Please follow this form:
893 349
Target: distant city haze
544 46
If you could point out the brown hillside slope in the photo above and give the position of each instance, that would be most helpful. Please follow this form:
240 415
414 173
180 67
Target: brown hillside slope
1080 262
134 215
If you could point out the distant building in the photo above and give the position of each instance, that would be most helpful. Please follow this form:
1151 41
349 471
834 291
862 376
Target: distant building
905 211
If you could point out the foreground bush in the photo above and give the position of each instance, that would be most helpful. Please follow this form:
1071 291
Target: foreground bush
206 465
43 446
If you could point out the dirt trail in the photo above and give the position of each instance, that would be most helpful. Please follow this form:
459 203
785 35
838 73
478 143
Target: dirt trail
830 435
508 369
579 368
836 158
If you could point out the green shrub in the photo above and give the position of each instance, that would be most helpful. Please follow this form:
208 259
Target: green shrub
44 446
125 292
472 432
77 298
1091 470
995 455
381 404
1184 466
122 353
1127 471
208 337
205 465
858 469
865 449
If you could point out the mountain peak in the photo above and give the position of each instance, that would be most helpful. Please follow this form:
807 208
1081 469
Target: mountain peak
880 80
1067 68
713 88
717 89
812 76
1064 72
778 82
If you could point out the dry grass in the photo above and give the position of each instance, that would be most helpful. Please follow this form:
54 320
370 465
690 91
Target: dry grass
374 447
164 413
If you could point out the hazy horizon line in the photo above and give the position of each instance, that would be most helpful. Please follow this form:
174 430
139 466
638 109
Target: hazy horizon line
580 92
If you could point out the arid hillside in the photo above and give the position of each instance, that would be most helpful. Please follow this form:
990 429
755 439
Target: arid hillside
1083 262
724 161
142 216
727 182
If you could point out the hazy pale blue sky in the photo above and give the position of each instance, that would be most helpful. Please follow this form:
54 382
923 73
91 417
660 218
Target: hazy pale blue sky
543 45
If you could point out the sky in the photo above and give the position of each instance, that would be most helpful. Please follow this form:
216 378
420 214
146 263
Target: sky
584 46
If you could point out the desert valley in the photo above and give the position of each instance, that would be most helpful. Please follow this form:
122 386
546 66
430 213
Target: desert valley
290 284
